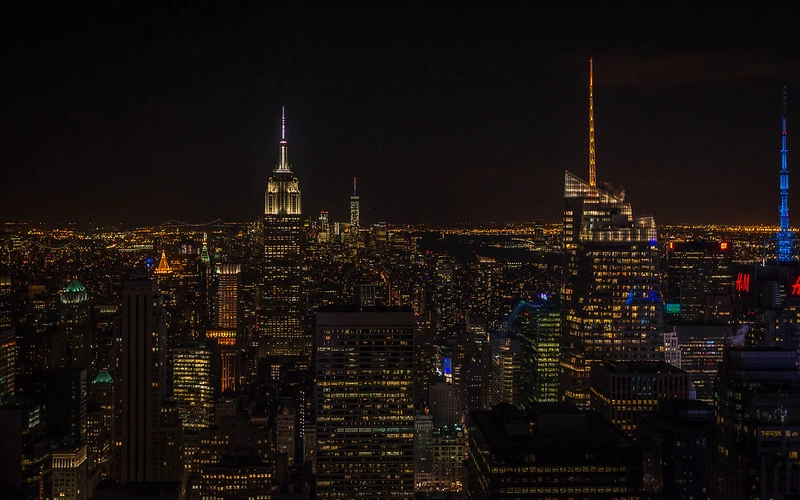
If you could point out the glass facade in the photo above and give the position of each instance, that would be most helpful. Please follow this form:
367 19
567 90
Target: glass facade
193 391
365 407
611 287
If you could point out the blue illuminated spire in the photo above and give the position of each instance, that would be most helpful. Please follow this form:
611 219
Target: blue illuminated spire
784 236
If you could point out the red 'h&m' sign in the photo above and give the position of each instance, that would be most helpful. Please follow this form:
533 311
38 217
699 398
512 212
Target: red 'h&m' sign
743 282
796 287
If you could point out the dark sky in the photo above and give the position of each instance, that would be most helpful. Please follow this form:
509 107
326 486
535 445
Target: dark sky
445 114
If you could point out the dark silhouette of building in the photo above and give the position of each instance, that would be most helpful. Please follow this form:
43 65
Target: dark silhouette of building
143 451
622 390
551 450
757 435
676 441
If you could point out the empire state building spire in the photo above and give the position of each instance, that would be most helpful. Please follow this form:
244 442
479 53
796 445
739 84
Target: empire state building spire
283 190
283 165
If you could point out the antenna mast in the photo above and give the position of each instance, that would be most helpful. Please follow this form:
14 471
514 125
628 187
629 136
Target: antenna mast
784 236
592 166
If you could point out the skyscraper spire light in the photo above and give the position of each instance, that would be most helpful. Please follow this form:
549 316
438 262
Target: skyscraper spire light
283 165
592 167
784 236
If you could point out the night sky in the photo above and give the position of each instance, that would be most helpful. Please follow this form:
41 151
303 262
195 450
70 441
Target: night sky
445 114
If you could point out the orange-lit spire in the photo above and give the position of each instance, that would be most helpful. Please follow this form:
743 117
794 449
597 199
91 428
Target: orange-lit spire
592 167
163 265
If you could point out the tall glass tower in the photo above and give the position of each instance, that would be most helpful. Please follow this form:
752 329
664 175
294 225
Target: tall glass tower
611 289
280 332
355 212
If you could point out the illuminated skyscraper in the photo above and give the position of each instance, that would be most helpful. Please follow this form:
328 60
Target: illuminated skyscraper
280 330
193 391
365 408
504 372
611 291
539 334
8 363
5 300
699 282
226 331
228 296
355 213
70 471
75 333
611 288
100 421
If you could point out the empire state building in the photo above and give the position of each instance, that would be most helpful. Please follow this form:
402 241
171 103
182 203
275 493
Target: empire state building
280 331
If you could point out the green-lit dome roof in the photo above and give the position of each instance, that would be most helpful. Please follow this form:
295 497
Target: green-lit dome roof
75 293
75 286
102 377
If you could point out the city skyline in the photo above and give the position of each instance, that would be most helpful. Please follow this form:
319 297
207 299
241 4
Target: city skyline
476 111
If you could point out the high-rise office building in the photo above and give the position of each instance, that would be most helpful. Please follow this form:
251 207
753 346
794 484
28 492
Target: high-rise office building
100 418
66 398
676 441
141 382
611 288
505 371
8 363
757 410
286 431
672 349
25 457
70 473
75 330
355 211
540 334
192 386
423 451
701 349
699 283
226 332
5 300
448 445
279 325
623 390
365 407
550 450
444 404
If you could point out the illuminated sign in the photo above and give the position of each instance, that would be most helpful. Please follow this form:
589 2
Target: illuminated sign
723 245
448 366
743 282
672 308
796 287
